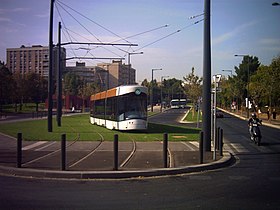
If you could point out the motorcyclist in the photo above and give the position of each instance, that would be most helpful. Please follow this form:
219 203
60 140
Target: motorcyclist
252 120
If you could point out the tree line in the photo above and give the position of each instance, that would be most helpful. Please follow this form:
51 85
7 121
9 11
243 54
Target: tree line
253 80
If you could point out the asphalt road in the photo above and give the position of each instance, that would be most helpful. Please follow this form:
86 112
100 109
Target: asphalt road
253 182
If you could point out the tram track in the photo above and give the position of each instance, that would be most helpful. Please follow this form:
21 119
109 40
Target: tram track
90 153
51 153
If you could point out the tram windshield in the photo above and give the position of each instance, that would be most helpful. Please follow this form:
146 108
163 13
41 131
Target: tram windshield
132 106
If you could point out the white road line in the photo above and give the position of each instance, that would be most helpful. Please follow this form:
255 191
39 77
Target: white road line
195 143
200 178
239 178
188 146
31 146
44 147
239 148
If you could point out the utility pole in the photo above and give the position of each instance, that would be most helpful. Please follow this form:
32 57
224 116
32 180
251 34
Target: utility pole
206 103
59 80
152 86
50 79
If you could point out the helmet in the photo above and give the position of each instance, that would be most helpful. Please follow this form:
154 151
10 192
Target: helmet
254 115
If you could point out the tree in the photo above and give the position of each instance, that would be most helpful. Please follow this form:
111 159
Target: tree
71 83
6 85
86 90
192 86
36 87
246 69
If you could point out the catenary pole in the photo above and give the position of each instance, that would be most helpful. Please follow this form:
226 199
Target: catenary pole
206 105
59 80
50 79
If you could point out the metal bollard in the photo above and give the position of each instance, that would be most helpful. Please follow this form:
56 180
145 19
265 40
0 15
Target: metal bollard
218 138
19 149
63 152
221 144
165 148
116 152
201 147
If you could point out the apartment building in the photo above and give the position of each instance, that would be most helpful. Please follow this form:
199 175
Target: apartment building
92 74
35 59
119 73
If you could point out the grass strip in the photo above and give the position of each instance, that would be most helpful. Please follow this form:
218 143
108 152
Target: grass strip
78 127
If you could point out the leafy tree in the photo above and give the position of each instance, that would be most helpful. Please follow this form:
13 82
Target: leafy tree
36 88
86 90
246 69
71 83
193 86
6 85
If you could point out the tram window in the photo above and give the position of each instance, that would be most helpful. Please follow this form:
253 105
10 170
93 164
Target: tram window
99 108
111 108
132 106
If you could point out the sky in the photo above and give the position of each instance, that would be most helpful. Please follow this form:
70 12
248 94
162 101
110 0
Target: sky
163 30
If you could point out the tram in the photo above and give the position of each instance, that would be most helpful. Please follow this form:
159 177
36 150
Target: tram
120 108
178 103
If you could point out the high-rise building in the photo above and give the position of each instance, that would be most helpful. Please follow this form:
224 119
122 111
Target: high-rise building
92 74
35 59
119 73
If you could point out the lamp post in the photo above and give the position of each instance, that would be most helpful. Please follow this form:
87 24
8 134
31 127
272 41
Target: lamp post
216 80
152 85
129 54
162 77
275 4
248 78
228 70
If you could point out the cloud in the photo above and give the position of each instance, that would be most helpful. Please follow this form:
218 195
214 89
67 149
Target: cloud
227 36
5 20
43 15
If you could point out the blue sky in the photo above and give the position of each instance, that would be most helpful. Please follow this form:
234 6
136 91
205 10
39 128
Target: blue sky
237 27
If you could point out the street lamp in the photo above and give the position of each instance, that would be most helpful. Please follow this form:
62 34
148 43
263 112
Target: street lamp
248 78
162 77
216 80
152 85
228 70
275 4
129 54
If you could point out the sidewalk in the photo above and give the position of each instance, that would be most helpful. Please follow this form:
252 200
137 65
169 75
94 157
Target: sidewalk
86 160
275 123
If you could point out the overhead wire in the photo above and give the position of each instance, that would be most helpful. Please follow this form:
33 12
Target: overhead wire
103 27
168 35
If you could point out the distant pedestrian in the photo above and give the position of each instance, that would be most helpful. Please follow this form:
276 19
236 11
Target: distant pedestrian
274 114
268 114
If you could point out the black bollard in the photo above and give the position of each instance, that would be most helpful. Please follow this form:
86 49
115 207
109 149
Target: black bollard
218 138
201 148
19 149
165 148
116 152
221 144
63 152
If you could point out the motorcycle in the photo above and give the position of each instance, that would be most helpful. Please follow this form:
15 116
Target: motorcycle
256 138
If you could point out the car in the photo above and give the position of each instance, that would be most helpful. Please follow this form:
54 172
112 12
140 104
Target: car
219 114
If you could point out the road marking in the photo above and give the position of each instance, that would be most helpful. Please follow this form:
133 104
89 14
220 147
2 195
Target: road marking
200 178
188 146
239 148
44 147
239 178
31 146
195 143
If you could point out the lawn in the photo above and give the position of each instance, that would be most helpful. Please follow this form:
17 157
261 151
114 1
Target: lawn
78 128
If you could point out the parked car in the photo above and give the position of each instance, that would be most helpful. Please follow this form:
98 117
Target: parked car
219 114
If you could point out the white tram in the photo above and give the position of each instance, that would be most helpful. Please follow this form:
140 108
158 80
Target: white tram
178 103
120 108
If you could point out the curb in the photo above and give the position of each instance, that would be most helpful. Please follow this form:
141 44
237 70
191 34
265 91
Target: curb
226 160
244 118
